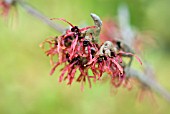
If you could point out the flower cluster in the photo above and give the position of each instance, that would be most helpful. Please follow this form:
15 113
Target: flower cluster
79 50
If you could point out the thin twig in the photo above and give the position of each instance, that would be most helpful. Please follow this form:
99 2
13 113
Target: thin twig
27 7
149 82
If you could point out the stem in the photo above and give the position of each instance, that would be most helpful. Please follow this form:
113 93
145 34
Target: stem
28 8
149 82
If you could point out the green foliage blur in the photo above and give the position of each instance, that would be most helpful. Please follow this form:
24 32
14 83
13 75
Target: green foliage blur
25 84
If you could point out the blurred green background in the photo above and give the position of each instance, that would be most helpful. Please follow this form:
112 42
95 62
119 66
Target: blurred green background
25 84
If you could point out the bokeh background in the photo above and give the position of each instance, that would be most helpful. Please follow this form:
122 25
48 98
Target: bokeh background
25 84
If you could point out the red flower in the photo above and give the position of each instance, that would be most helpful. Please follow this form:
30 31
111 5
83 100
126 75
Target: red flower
5 6
74 48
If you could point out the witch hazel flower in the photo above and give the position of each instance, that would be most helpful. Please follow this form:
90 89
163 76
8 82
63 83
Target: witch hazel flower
78 50
74 49
5 6
107 61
